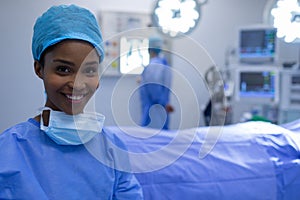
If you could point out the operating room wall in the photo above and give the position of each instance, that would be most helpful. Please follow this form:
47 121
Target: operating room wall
23 93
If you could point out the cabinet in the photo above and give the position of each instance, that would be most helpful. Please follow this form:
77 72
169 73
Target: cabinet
289 106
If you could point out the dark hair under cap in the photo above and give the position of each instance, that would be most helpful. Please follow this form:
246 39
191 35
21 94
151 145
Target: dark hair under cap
66 22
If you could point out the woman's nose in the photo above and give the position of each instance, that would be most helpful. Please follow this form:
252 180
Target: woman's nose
77 83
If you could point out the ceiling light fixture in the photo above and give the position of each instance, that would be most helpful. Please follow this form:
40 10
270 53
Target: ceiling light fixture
285 16
176 17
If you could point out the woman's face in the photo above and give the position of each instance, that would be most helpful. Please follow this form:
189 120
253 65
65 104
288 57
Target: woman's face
70 74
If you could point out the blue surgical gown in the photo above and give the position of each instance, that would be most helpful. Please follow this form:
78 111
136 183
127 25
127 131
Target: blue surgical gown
155 89
32 166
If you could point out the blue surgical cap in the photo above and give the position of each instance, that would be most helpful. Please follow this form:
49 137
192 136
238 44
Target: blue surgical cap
155 44
63 22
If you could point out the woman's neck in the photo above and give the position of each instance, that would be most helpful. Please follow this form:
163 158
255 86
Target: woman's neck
46 114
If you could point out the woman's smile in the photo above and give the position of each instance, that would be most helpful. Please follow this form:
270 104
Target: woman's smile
78 98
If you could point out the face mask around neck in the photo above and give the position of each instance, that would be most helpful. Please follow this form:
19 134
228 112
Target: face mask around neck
77 129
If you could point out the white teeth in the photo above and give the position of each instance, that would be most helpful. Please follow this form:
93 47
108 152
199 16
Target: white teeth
73 97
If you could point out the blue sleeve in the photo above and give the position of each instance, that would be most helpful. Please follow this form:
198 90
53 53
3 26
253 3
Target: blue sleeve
167 79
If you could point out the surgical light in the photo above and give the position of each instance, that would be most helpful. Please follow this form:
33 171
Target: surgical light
286 18
175 17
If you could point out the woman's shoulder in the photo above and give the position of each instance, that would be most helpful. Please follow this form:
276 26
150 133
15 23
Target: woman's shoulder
21 130
14 140
111 133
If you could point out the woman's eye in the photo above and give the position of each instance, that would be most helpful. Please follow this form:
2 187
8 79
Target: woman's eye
91 71
63 69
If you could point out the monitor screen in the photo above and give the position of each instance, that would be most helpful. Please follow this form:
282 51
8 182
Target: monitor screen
258 84
257 45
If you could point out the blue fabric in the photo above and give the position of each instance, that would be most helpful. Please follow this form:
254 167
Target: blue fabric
293 125
155 89
253 160
32 166
65 22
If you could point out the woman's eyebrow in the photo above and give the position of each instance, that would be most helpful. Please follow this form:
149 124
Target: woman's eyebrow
64 62
92 63
72 64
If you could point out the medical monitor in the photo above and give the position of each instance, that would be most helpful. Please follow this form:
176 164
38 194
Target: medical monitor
257 44
257 84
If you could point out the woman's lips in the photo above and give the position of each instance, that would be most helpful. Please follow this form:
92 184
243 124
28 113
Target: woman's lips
75 98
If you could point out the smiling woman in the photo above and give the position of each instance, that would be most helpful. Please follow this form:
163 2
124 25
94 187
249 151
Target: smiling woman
70 75
46 157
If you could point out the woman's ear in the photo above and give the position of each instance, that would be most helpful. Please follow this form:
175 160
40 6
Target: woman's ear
38 68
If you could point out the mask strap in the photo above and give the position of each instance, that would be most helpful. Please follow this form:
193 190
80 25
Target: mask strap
42 109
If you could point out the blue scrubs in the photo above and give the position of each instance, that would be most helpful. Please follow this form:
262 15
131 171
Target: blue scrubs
32 166
155 89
